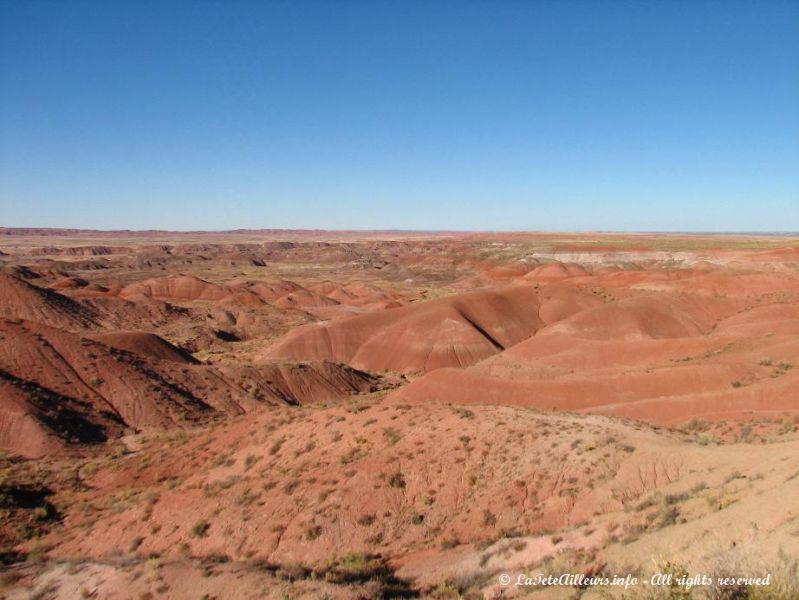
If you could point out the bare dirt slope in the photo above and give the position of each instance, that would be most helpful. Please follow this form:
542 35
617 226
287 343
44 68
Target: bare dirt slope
23 300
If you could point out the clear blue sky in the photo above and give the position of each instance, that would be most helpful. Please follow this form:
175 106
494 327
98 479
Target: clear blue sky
674 115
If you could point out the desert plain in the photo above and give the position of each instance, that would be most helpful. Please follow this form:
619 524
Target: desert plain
312 414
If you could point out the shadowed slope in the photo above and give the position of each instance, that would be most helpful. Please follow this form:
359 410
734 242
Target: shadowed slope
23 300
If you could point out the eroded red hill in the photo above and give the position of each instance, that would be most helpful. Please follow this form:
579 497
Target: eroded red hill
457 330
59 385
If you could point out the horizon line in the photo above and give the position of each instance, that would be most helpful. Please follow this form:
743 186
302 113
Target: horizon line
33 230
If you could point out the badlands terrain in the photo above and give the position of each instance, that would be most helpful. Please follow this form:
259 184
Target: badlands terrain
277 414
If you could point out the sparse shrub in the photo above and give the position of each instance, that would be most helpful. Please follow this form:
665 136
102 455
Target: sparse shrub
449 542
464 413
366 520
118 451
135 543
391 435
675 498
292 572
695 426
396 480
745 433
518 545
489 518
363 568
200 529
351 455
275 447
667 515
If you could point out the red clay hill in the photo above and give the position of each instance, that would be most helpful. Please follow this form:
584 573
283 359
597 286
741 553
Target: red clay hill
454 331
665 356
